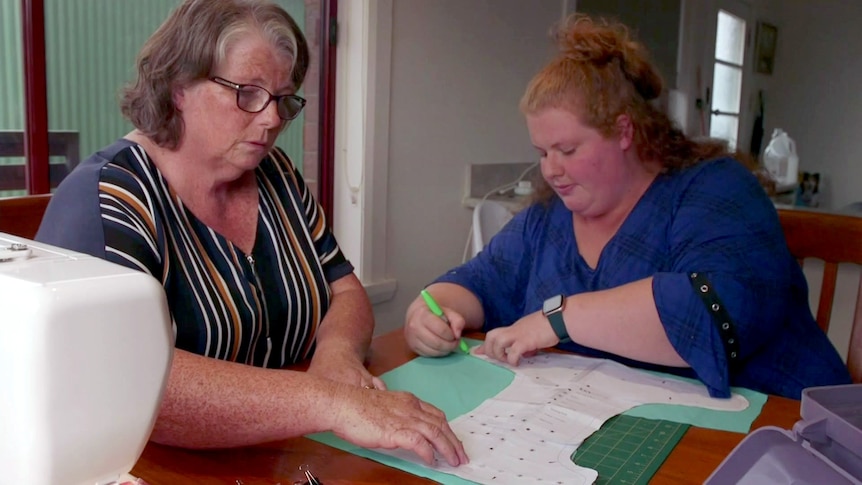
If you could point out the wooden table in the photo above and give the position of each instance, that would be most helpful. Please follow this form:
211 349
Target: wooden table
694 458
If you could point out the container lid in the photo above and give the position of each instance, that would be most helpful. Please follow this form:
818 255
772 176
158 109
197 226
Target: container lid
772 455
825 446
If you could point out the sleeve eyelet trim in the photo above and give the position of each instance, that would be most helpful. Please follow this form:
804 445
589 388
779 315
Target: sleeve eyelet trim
719 316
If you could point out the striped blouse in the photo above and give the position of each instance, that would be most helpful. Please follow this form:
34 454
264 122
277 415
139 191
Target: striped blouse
262 308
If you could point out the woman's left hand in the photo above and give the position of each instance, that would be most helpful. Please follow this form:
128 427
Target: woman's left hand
345 369
521 339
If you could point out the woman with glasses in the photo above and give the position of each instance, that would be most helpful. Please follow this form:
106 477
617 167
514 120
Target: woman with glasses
198 196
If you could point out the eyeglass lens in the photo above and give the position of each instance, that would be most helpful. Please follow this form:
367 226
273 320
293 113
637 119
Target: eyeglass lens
254 99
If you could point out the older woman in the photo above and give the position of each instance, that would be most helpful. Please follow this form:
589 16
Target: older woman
198 197
645 246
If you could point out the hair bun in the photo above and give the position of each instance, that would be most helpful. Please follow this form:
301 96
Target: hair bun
581 38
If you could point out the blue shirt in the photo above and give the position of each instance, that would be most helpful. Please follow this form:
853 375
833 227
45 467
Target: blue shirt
712 219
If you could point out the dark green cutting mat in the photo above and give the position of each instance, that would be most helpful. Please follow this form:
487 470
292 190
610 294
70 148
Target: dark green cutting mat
629 450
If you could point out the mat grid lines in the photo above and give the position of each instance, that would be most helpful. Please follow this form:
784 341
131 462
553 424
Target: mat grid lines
629 450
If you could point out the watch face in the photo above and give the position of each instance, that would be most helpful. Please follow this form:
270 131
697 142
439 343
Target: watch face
552 303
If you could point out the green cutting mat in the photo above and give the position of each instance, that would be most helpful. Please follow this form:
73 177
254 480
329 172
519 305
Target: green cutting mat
629 450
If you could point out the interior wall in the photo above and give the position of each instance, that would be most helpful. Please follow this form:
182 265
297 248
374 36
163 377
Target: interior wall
655 23
458 69
811 93
85 73
814 97
696 55
815 93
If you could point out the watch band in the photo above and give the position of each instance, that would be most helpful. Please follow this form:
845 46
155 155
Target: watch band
559 326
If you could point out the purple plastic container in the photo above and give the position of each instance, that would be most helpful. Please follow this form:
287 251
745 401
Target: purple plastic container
825 446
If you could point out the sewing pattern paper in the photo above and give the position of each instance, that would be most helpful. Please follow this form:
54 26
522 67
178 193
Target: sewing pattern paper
530 429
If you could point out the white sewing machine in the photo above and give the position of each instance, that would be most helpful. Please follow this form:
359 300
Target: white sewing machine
85 350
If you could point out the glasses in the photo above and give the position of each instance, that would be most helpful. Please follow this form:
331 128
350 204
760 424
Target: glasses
254 99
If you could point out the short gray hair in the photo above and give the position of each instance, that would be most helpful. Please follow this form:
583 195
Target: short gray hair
186 48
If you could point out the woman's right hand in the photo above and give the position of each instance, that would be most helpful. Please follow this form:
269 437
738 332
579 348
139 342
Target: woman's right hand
429 335
387 419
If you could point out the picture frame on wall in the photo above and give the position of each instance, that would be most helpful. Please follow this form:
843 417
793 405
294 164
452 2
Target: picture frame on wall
767 35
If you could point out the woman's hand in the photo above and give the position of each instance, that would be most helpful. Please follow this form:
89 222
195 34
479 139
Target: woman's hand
345 368
429 335
389 420
344 335
521 339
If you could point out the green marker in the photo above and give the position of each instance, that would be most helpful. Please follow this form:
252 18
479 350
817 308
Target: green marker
436 310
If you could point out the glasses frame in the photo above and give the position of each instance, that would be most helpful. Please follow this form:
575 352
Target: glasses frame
239 87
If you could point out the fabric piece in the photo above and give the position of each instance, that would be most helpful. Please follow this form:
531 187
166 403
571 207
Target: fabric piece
460 384
713 219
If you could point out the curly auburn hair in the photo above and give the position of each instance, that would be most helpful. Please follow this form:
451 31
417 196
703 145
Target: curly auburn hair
599 73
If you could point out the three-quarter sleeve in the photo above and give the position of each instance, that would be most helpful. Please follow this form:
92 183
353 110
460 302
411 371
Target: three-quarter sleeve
104 210
724 291
134 235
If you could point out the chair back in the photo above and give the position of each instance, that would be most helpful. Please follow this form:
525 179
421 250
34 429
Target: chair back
488 218
834 239
21 216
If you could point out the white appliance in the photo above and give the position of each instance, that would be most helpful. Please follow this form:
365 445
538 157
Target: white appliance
85 351
488 218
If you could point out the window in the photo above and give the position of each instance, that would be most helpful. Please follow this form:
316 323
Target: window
12 94
83 74
727 78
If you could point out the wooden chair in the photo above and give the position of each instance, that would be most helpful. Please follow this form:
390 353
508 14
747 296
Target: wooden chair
21 216
834 239
60 143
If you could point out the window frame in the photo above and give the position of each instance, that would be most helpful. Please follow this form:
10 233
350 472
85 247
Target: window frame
361 162
36 173
36 133
707 59
360 226
713 111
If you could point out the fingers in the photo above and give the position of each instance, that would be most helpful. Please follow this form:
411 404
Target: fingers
431 433
496 345
377 383
427 440
368 381
456 324
372 382
344 369
429 335
360 377
434 347
501 345
414 441
400 420
513 356
444 439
